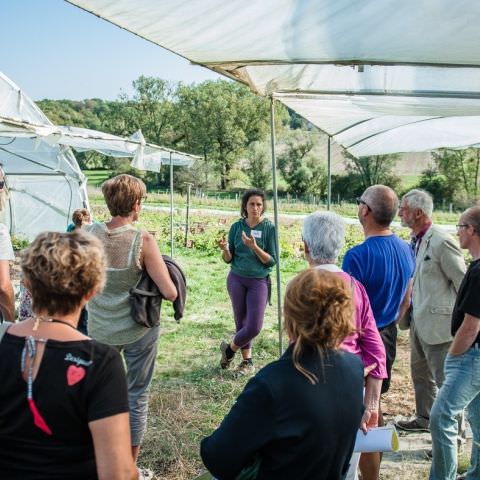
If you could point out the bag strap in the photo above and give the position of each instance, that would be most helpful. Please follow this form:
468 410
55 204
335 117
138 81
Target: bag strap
3 328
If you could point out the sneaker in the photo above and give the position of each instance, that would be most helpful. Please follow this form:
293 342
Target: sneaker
245 368
413 425
225 361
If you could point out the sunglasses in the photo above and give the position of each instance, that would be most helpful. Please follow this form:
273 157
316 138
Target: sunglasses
363 202
2 184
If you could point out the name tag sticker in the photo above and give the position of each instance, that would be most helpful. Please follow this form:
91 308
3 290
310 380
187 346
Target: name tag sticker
256 233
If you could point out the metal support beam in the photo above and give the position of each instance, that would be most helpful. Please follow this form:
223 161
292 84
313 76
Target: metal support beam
277 225
329 174
187 217
171 205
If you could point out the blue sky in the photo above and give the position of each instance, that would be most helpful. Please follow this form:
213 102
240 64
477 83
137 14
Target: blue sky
52 49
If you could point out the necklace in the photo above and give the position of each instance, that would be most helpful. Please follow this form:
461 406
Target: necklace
50 320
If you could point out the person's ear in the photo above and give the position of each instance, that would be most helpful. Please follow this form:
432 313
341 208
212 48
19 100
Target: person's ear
363 210
89 295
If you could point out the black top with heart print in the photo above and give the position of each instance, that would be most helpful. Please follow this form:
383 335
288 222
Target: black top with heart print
77 382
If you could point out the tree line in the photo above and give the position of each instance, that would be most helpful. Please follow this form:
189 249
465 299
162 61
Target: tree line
228 127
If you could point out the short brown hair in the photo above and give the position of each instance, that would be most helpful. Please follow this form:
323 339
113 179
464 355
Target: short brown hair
121 193
61 268
318 313
80 216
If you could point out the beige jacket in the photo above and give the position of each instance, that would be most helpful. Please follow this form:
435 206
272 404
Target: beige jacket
439 270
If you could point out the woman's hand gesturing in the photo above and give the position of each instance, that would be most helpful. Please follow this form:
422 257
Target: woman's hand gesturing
223 244
248 241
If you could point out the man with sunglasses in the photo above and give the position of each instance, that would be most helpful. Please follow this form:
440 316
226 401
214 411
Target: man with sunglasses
384 264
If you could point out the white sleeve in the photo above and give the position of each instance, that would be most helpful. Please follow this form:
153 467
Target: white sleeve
6 249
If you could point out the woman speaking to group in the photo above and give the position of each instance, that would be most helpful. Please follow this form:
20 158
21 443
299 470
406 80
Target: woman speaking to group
250 250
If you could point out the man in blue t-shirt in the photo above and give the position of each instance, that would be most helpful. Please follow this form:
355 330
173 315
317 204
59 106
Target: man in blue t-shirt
384 264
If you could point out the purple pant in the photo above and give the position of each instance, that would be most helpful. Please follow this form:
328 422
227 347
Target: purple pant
249 299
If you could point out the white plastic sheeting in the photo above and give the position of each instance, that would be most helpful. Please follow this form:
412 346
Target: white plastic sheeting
146 156
328 31
45 182
367 73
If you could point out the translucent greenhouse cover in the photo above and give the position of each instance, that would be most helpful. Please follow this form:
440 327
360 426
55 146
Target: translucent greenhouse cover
378 76
43 177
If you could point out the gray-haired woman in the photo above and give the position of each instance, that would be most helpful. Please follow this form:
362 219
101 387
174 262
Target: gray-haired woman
324 236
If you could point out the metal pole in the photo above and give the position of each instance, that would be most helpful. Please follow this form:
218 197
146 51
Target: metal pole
329 176
171 205
189 186
275 213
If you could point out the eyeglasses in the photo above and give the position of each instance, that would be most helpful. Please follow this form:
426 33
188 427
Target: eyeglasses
363 202
462 225
2 184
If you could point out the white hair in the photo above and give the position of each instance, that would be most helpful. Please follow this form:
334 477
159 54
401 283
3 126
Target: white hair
420 199
324 234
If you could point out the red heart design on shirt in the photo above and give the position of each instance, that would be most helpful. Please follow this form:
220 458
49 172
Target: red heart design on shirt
74 374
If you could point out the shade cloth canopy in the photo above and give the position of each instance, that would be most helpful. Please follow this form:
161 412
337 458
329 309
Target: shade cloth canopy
44 180
367 73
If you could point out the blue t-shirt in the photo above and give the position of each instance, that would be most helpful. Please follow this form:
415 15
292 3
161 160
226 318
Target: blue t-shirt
384 265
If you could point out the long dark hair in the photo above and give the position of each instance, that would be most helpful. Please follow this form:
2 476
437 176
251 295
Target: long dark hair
252 192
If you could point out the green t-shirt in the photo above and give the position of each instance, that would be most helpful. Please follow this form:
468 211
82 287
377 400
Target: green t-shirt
244 261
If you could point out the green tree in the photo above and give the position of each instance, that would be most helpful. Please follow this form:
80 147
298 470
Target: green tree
300 167
150 109
461 170
436 184
346 186
218 120
373 170
259 170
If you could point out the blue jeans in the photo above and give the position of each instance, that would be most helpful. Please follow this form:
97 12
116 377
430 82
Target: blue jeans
461 389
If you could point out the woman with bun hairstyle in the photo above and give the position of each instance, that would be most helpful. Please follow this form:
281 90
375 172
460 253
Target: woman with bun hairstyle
250 251
298 417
